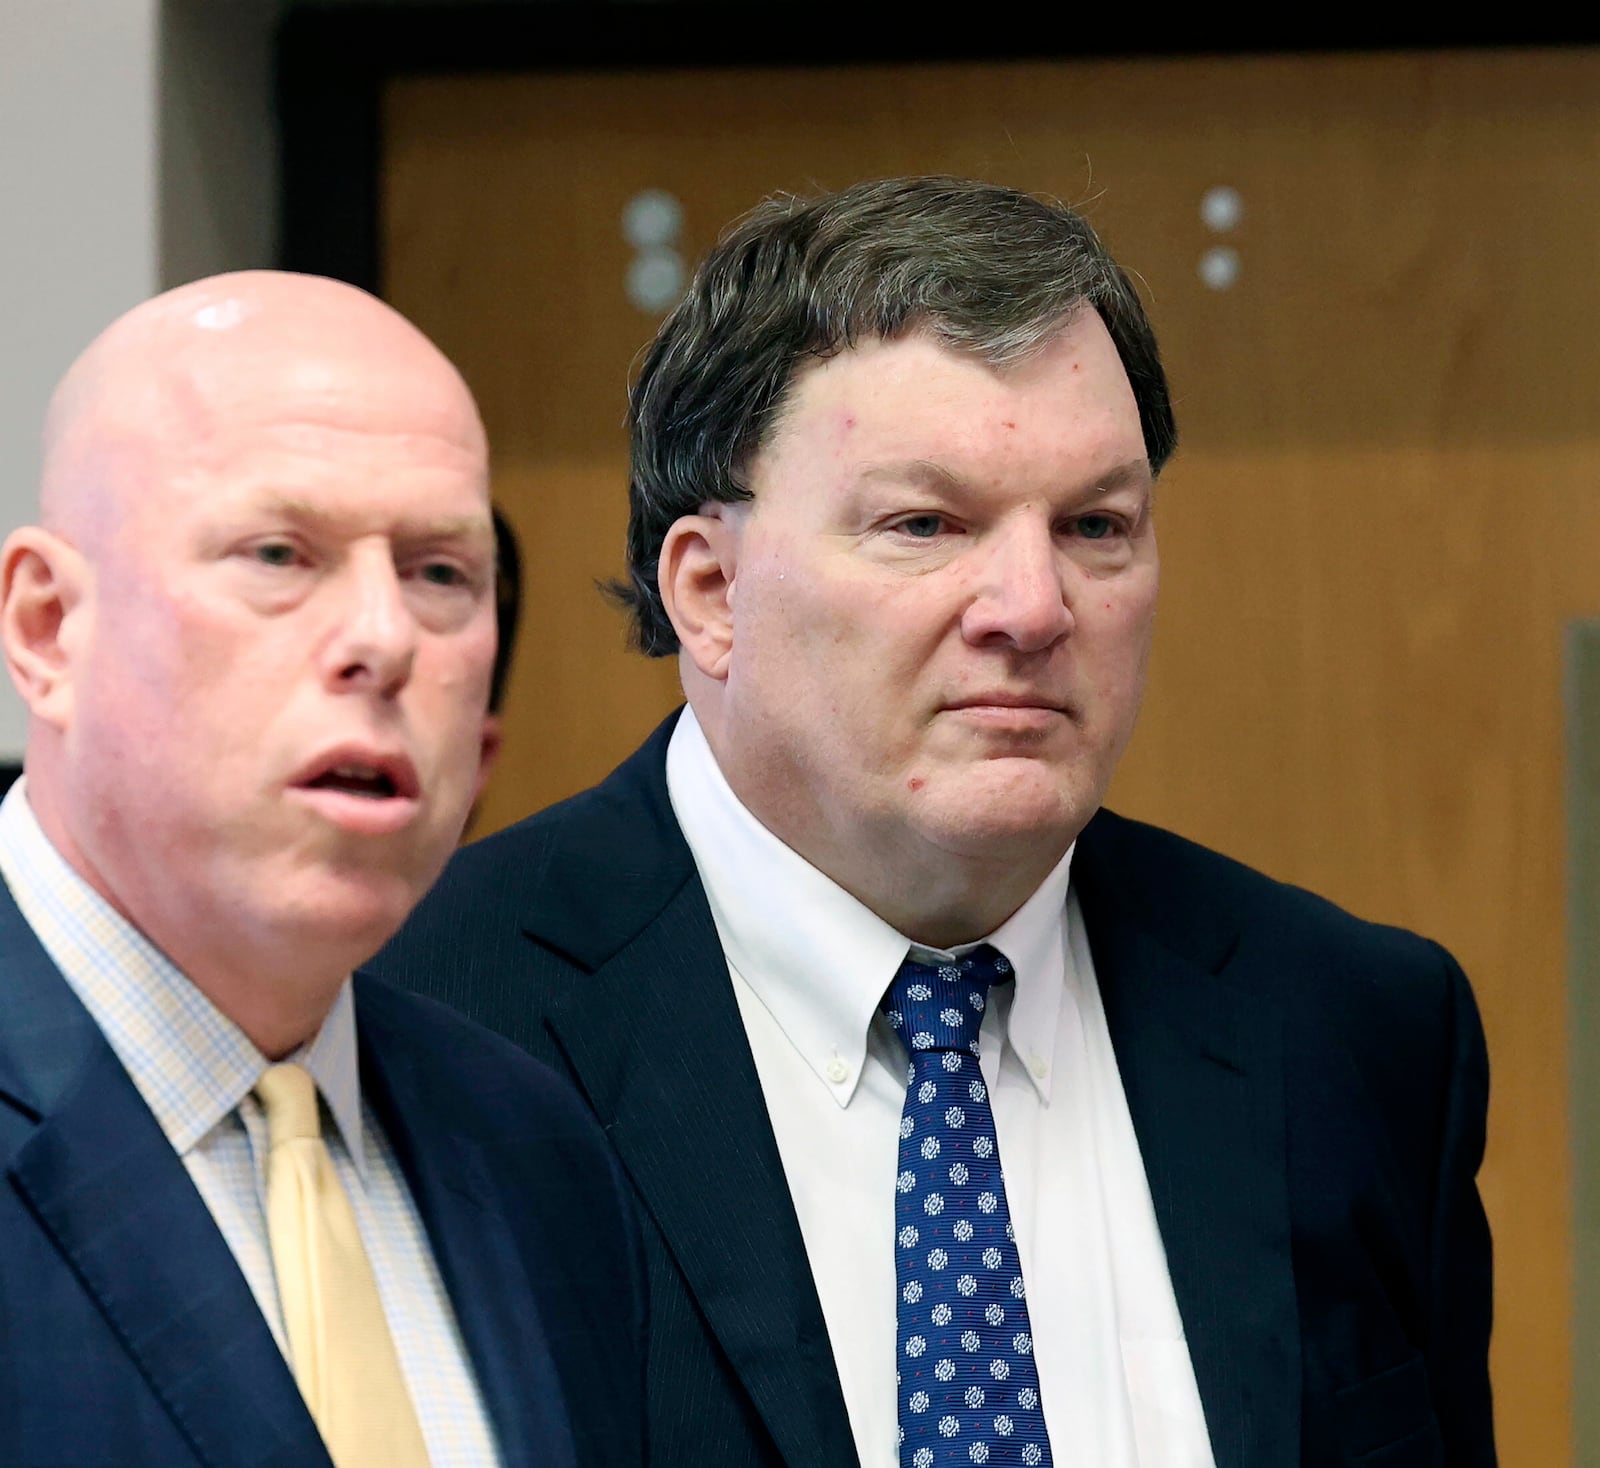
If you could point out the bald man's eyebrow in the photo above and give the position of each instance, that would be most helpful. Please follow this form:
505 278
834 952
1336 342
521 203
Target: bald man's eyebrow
445 527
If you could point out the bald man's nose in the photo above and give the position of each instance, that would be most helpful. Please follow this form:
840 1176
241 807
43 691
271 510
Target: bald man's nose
374 642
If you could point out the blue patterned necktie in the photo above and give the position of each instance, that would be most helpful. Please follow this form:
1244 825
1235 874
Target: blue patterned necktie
968 1383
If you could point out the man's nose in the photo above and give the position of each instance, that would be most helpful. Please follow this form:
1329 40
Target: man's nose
374 641
1021 596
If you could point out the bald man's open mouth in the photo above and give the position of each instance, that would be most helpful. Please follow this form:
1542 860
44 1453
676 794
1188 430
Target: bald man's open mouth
361 789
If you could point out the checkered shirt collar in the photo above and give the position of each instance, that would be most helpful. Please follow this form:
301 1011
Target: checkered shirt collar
190 1062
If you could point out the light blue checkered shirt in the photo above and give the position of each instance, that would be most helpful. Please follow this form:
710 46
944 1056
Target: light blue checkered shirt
196 1071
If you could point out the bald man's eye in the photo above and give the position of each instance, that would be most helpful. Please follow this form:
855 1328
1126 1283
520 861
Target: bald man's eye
275 553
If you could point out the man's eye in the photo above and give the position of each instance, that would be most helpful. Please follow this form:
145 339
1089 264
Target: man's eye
442 573
275 553
1096 527
922 527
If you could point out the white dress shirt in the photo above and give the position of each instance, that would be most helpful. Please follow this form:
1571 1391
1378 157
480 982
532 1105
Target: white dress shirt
809 965
196 1071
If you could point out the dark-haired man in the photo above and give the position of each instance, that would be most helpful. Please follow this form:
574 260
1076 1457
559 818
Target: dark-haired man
852 929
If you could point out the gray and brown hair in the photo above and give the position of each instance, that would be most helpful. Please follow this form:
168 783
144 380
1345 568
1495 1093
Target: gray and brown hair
978 267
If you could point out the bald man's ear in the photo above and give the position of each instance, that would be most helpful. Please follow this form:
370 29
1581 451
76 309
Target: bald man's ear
489 746
43 588
699 559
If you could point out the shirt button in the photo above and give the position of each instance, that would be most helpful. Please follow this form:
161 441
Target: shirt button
838 1071
1038 1067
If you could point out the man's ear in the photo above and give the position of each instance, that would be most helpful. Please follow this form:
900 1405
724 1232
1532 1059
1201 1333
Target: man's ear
699 558
44 585
490 743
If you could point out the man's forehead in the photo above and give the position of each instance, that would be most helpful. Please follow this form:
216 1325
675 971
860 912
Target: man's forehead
204 367
874 360
916 376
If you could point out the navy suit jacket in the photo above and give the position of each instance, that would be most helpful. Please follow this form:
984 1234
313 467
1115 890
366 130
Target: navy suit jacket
128 1334
1308 1090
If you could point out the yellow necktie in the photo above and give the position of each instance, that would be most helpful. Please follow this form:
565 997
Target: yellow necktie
344 1357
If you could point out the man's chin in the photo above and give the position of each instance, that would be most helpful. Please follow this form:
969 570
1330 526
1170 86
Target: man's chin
1008 826
352 913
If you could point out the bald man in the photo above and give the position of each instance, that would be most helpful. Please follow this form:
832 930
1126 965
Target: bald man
252 1213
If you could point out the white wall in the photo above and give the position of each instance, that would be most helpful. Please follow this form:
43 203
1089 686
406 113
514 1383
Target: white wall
136 151
79 243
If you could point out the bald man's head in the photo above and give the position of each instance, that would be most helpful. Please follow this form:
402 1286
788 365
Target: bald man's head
166 374
255 627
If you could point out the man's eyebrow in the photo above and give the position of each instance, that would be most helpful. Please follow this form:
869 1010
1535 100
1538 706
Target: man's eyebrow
924 472
445 527
1133 473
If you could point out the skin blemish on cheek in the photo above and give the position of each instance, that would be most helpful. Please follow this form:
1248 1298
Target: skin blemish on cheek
1007 423
915 783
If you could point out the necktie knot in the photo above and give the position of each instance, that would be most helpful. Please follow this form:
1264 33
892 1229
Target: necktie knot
289 1096
936 1007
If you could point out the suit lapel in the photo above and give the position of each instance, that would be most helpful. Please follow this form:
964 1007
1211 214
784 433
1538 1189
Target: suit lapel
105 1184
470 1237
653 1036
1201 1064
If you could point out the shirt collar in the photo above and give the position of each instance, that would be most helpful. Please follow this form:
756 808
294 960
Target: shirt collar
189 1061
818 959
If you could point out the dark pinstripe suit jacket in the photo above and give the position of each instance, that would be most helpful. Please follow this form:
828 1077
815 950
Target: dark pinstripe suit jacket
1308 1090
